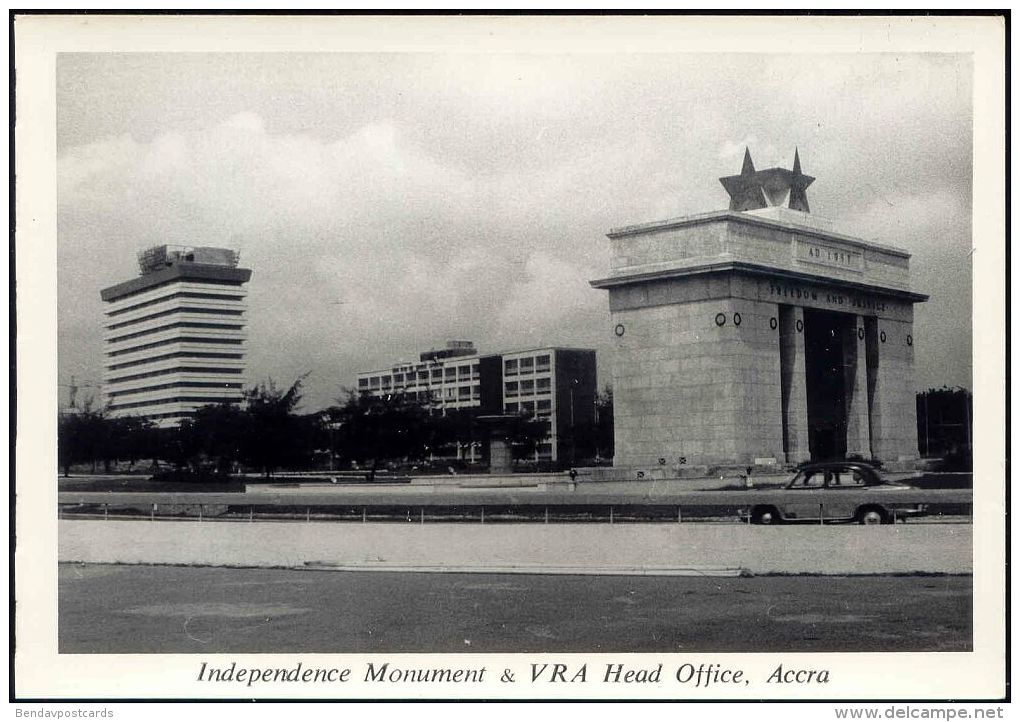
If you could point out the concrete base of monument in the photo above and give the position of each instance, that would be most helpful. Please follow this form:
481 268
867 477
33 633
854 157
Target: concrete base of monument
715 477
903 465
698 475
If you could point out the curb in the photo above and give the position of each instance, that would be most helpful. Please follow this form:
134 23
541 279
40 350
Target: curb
530 569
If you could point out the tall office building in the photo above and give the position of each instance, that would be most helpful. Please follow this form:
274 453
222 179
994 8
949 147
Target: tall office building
175 335
554 385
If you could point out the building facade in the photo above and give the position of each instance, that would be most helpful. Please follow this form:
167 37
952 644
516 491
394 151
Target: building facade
759 335
554 385
175 336
448 378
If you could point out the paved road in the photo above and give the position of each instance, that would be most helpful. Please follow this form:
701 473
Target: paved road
138 609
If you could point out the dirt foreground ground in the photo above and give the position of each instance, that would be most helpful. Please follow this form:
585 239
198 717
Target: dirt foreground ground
187 610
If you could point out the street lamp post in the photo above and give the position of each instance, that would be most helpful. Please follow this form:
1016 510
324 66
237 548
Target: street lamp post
927 451
330 423
573 430
332 443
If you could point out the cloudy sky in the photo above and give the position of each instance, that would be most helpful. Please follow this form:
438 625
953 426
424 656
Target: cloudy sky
388 202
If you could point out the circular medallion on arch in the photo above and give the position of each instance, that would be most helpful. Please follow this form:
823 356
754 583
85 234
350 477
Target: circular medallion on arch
860 333
720 319
910 340
737 319
773 323
881 336
619 330
800 326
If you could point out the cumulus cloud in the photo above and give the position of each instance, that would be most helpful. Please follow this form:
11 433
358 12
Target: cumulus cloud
389 202
550 305
730 148
360 247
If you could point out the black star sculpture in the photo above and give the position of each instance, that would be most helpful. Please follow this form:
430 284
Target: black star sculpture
768 188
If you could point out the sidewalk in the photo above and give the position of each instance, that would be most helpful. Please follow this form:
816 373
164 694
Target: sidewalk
595 548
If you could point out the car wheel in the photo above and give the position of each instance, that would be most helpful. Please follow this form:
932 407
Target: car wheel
871 515
765 515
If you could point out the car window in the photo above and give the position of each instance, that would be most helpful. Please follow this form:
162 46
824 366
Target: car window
837 477
845 477
854 477
808 480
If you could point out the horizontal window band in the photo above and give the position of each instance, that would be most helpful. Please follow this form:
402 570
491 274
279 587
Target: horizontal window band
172 311
174 370
182 339
167 415
179 324
176 400
170 297
179 354
172 281
175 385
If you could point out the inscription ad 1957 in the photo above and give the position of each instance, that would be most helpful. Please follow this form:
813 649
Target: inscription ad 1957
830 255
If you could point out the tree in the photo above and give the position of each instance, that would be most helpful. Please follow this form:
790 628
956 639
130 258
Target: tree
325 429
65 442
83 436
594 438
373 428
128 438
456 431
944 418
88 436
525 434
180 446
274 434
72 446
604 441
220 432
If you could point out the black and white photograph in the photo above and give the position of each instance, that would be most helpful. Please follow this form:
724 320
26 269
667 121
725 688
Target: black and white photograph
567 357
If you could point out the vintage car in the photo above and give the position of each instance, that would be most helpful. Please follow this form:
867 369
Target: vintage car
834 492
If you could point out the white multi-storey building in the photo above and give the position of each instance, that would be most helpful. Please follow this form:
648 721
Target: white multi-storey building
447 379
175 335
553 385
